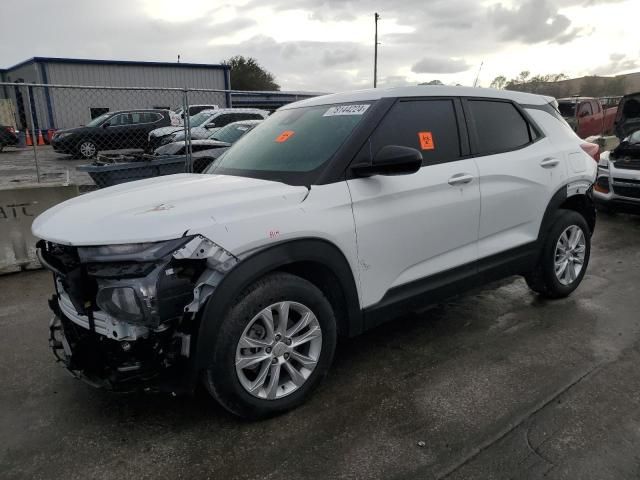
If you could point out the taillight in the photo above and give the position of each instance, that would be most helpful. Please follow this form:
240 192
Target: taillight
602 184
592 149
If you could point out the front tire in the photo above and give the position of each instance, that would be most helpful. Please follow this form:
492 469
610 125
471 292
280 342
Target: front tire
564 258
273 347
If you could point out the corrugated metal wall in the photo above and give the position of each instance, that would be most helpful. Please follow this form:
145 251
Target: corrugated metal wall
28 73
134 75
66 108
72 108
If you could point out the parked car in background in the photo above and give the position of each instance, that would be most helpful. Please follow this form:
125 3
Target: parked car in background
195 109
127 129
223 138
610 102
163 136
220 119
628 116
618 183
205 152
586 116
8 136
336 214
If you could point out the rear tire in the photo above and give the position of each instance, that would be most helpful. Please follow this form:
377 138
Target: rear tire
564 257
87 149
257 370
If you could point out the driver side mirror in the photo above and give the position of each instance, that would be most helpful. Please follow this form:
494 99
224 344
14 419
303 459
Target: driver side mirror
391 160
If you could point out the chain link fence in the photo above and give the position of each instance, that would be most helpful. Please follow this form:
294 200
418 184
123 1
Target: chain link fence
100 136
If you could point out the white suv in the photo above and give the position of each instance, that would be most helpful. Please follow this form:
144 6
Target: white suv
335 214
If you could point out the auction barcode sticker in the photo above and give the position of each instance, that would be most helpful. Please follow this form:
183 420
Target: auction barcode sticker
346 110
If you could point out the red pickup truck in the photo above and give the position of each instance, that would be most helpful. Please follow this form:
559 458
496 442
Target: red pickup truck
586 116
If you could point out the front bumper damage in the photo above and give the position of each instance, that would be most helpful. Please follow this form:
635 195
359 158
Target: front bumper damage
618 182
152 351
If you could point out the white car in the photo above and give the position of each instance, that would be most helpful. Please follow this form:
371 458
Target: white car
203 124
335 214
618 185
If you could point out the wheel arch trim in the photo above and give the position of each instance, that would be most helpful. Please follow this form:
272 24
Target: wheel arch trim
267 260
570 191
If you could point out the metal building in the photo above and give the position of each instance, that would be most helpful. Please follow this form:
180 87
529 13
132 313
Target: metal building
269 100
56 107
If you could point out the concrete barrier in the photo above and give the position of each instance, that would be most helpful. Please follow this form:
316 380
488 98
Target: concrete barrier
18 207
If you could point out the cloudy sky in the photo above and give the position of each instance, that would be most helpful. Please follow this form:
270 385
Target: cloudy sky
327 45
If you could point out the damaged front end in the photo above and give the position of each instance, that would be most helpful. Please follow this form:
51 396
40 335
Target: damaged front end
125 315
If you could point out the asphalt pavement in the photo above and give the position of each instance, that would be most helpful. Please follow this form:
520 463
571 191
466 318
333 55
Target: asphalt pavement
496 383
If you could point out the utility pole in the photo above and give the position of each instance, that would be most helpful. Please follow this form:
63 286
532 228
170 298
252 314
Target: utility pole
478 75
375 54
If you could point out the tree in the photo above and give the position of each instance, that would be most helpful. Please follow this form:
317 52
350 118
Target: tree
433 82
247 74
522 78
499 82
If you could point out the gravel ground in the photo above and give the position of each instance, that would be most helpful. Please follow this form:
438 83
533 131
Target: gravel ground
17 167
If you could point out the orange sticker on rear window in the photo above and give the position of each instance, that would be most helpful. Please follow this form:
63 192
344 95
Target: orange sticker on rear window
284 136
426 141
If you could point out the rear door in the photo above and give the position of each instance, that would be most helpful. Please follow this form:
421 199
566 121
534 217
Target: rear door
519 169
116 134
410 227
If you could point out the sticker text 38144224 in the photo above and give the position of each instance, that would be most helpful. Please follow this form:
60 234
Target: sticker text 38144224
346 110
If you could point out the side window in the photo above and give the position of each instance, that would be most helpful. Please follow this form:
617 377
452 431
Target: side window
499 126
429 126
224 119
249 116
119 120
585 109
150 117
137 117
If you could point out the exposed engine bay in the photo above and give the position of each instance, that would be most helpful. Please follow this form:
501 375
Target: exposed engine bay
627 154
125 315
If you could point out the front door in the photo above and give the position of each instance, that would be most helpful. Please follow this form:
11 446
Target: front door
410 227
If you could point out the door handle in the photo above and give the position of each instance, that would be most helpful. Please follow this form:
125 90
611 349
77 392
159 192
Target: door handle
549 162
460 179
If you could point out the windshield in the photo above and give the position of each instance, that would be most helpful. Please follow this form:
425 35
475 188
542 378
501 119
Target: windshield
199 118
291 141
231 133
98 120
567 109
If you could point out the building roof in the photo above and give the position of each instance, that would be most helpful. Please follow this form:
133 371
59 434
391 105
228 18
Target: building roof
422 91
115 62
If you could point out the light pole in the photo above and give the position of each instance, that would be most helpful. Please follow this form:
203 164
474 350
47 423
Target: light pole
375 53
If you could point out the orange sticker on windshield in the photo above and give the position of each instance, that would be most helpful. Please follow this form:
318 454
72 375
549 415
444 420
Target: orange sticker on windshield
284 136
426 141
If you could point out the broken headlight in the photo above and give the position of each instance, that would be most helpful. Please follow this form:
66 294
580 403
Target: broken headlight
138 252
121 303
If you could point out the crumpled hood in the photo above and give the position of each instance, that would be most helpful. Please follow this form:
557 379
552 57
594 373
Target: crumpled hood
197 133
161 208
162 131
